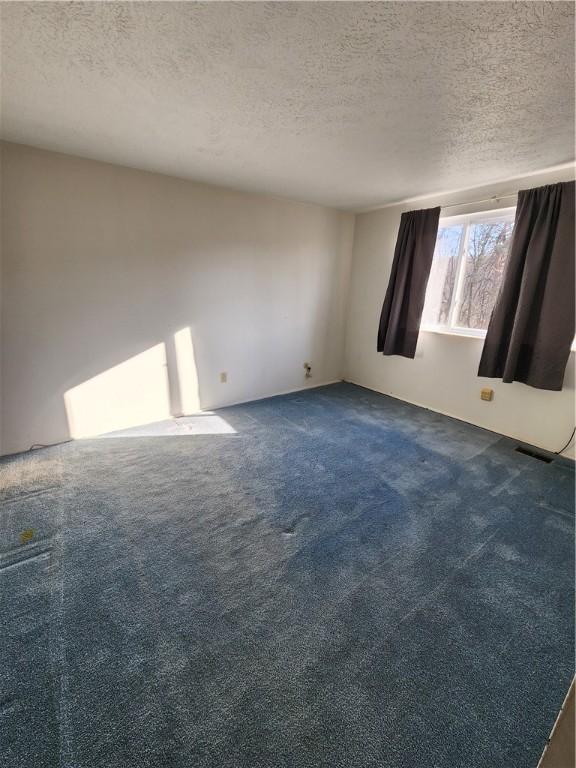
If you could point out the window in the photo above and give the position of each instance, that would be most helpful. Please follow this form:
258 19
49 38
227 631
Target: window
467 269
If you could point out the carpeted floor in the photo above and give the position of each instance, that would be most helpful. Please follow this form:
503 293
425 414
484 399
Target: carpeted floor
336 579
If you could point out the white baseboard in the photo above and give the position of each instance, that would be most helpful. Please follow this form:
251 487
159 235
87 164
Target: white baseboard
316 385
453 416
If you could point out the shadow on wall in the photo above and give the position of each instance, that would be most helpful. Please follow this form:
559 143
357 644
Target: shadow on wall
157 384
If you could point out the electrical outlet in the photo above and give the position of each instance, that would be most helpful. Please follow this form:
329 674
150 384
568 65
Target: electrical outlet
308 369
486 393
223 377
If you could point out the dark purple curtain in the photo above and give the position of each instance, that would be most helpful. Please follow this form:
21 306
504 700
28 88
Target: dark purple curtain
532 324
404 302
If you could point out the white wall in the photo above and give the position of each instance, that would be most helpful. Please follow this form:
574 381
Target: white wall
443 374
126 293
1 332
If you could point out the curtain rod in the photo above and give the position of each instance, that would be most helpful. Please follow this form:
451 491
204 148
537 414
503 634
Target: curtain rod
492 199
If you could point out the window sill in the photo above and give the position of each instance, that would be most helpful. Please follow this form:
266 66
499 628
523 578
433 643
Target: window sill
463 334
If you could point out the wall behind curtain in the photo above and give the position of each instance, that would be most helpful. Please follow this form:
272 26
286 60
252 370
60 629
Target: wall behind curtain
443 374
126 293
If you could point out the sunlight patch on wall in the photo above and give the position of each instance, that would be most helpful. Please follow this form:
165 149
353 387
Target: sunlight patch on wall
132 393
187 373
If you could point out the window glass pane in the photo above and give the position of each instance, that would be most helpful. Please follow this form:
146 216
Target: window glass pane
485 259
442 278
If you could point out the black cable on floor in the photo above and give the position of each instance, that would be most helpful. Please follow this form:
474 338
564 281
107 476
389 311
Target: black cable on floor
567 444
36 446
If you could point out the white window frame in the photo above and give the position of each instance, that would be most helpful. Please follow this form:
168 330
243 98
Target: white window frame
491 216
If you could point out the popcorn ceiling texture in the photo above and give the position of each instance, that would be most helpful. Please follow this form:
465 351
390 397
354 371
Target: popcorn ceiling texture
345 104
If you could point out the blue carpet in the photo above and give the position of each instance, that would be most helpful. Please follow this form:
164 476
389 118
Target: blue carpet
343 581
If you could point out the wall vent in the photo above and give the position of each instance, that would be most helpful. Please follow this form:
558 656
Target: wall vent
534 454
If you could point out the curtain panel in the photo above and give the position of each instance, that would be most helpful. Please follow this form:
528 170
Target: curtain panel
532 324
404 302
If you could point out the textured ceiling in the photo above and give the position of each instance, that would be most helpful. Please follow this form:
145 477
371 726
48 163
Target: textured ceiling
346 104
